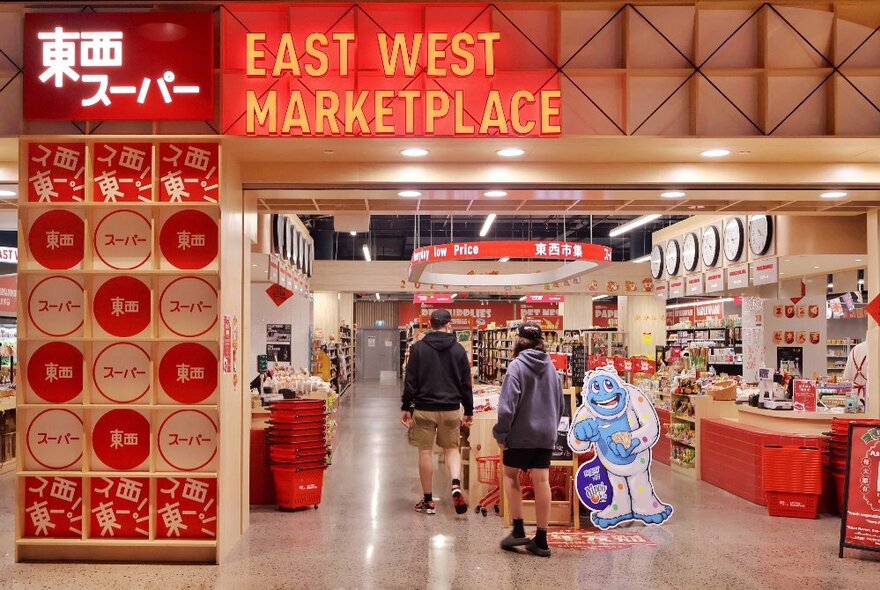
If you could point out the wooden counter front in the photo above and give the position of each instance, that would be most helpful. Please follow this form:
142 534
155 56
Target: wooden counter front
787 421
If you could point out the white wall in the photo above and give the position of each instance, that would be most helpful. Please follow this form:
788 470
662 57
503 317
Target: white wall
642 315
814 354
296 311
578 312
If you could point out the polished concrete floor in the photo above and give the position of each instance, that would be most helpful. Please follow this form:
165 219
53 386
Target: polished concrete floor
365 535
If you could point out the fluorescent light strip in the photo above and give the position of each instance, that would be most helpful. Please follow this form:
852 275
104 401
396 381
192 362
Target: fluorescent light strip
637 222
598 297
490 219
367 255
505 259
703 302
378 298
645 258
454 295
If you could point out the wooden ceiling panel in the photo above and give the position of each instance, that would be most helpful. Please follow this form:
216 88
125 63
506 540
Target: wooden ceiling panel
444 205
557 205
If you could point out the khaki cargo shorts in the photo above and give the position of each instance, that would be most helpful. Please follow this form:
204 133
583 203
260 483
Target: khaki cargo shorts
428 426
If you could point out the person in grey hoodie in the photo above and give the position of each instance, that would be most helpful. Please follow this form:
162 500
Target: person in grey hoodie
529 411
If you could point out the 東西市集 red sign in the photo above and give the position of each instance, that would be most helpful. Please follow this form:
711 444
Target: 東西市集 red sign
97 66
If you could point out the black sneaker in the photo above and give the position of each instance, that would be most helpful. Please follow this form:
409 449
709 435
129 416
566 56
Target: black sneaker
535 550
509 543
458 500
426 507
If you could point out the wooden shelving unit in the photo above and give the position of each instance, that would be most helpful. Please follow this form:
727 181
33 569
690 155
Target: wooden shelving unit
838 353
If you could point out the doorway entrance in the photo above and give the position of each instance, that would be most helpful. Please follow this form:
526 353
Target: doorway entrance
378 353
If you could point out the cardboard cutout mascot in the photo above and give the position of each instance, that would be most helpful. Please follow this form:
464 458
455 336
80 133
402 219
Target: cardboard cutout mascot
620 422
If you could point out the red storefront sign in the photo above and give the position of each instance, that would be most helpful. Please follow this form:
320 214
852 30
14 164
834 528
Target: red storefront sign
122 172
464 315
622 364
97 66
546 314
435 298
545 298
605 314
9 293
382 70
695 313
860 526
56 172
547 250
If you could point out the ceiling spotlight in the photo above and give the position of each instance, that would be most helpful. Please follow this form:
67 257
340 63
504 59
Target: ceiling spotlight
414 152
511 152
673 194
833 195
505 259
490 219
637 222
409 194
354 233
716 153
495 194
645 258
7 193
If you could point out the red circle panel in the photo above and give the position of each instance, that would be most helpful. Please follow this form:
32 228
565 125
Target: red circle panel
189 239
57 239
121 439
55 372
122 306
188 373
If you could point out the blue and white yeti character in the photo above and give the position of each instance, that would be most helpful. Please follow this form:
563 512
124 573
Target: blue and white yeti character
622 424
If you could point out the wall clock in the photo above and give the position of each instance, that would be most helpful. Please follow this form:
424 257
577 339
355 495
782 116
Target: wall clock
760 234
734 239
711 245
673 257
657 261
690 252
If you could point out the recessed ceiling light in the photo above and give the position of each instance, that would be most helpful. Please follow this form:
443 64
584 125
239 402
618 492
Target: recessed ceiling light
833 195
816 267
495 194
511 152
858 259
414 152
716 153
6 193
354 233
673 194
409 194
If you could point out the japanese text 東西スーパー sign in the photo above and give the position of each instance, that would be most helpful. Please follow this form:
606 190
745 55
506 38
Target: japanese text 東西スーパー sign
119 66
419 69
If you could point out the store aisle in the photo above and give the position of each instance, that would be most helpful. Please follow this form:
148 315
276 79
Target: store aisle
366 535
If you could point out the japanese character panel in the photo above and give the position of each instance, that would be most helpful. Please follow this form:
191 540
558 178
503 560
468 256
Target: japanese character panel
56 306
121 373
186 508
56 172
53 507
189 239
120 440
189 172
54 372
122 172
54 439
120 508
123 240
187 440
188 373
56 239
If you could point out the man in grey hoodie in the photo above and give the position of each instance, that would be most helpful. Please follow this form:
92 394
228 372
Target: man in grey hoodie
529 411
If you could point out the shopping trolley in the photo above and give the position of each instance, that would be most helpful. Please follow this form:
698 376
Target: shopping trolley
487 473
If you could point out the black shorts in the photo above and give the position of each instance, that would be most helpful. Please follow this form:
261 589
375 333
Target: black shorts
526 459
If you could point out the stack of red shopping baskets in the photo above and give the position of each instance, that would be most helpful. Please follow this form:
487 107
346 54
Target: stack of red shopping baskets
297 441
838 450
792 481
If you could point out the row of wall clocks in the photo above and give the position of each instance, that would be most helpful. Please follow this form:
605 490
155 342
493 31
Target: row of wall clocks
290 245
710 244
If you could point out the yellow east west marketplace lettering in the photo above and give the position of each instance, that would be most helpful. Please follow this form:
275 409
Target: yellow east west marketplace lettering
322 112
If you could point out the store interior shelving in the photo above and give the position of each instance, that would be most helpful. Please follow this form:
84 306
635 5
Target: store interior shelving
838 353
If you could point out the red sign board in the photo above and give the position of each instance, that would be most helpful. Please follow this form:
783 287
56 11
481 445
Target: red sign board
98 66
121 439
188 372
189 172
435 298
55 372
873 308
464 314
804 393
189 239
860 525
120 508
547 250
560 361
695 313
605 314
8 293
57 239
53 507
545 298
415 69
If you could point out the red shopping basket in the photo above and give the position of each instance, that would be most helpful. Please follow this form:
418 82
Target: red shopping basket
792 481
487 469
298 486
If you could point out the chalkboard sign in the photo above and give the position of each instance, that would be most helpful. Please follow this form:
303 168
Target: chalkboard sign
860 521
262 363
